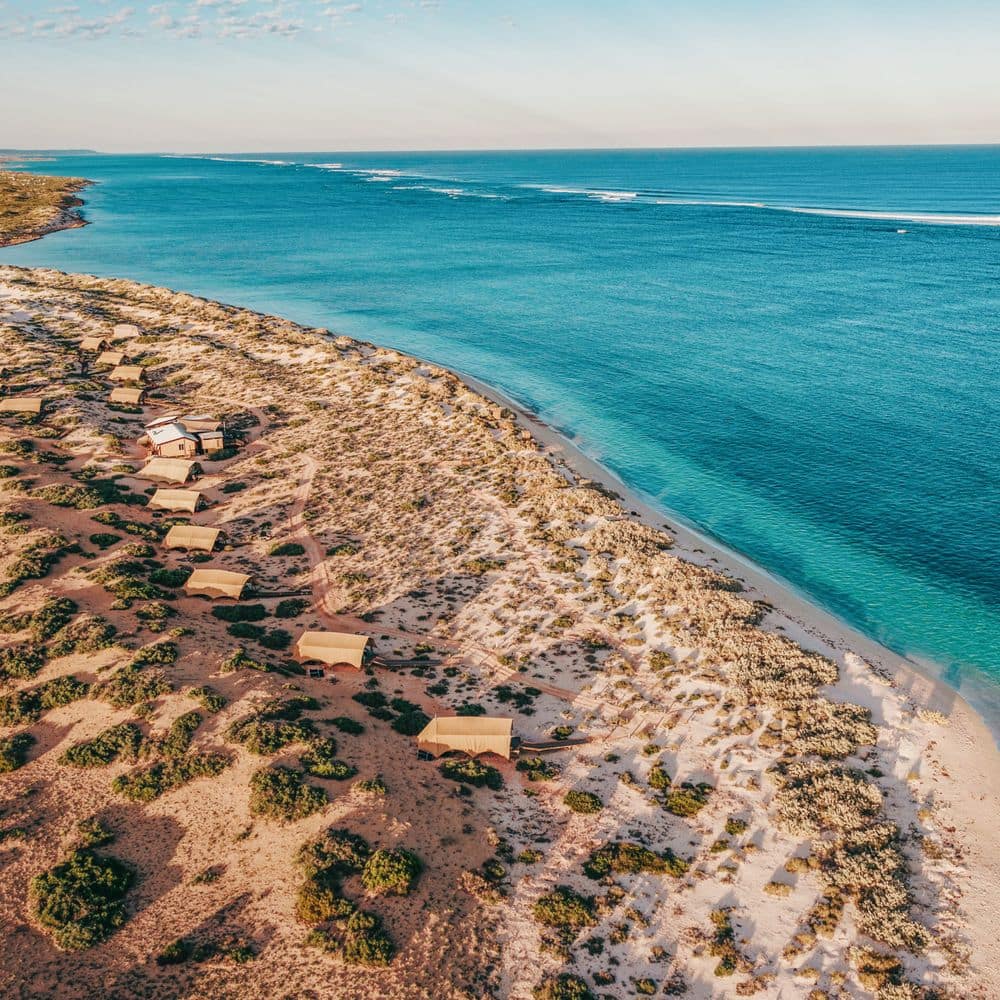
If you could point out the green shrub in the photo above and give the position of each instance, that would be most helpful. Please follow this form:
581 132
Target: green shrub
146 784
366 941
410 723
372 786
44 623
565 986
81 899
287 549
472 772
92 833
391 872
470 709
179 736
371 699
291 607
9 471
582 802
275 725
238 660
35 560
87 634
564 908
537 768
735 827
209 699
245 630
176 952
131 685
123 740
321 761
626 858
276 638
24 707
562 732
104 539
336 853
240 612
659 778
279 793
160 654
14 751
348 725
170 577
318 902
20 662
233 487
687 799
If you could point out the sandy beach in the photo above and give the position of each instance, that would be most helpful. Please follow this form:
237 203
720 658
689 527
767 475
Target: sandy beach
816 816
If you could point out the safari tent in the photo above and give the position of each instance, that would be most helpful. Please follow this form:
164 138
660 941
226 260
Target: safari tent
123 394
216 583
93 344
472 735
175 500
112 358
123 331
168 470
21 404
200 422
190 536
128 373
333 648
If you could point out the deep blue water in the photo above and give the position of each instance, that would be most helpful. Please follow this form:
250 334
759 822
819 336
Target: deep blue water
818 389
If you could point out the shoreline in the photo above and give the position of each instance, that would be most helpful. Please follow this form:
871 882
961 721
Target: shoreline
823 627
65 212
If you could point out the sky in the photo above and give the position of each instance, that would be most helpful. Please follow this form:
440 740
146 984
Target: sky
271 75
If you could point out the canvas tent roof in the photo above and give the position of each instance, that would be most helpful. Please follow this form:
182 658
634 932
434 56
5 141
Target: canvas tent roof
21 404
175 500
200 422
92 343
170 418
124 330
170 470
191 536
128 373
216 583
332 648
123 394
470 734
110 358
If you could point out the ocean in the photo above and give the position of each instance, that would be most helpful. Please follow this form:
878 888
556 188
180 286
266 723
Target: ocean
794 350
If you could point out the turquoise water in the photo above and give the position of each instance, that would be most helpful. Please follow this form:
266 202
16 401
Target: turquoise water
794 350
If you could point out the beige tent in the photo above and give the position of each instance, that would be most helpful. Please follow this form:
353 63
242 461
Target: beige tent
470 734
93 344
169 470
200 422
128 373
175 500
21 404
113 358
125 330
216 583
122 394
190 536
333 648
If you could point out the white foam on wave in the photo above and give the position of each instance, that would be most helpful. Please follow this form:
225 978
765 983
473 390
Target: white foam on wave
928 218
326 166
613 195
451 192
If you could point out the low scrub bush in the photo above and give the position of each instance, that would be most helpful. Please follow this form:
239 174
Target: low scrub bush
104 539
391 872
565 986
348 725
87 634
14 751
25 707
148 783
291 607
123 740
537 768
582 802
209 699
564 908
321 761
287 549
20 662
240 612
410 723
131 685
472 772
170 577
626 858
687 799
280 793
81 900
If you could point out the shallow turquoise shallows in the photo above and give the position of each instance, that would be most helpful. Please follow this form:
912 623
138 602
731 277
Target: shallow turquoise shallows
795 350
